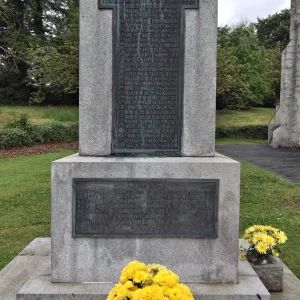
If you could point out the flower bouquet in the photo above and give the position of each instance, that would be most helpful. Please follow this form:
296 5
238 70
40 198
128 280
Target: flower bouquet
149 282
263 243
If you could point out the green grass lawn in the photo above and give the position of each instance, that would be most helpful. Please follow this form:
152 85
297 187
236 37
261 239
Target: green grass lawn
24 201
39 114
238 141
25 204
42 114
268 199
254 116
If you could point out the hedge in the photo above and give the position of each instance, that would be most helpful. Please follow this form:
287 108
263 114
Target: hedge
11 138
248 131
21 134
30 134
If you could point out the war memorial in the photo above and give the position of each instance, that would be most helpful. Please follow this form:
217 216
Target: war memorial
147 183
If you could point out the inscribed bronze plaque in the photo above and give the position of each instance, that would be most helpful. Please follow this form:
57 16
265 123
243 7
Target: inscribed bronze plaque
145 208
148 74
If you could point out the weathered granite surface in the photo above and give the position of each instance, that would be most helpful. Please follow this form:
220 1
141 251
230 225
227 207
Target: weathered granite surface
101 259
271 274
39 287
95 72
19 271
199 103
21 268
96 80
287 128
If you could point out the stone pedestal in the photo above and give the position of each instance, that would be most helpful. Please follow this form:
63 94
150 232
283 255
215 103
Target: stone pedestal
197 260
271 274
39 287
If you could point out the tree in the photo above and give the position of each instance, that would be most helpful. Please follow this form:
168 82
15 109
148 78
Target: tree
38 49
54 62
273 34
274 30
13 41
245 64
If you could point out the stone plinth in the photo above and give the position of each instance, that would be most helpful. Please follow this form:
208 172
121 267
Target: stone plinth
101 259
39 287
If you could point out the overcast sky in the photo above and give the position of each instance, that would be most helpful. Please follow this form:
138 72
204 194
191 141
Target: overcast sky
232 11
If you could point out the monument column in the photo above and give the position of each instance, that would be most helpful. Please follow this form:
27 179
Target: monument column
180 49
287 128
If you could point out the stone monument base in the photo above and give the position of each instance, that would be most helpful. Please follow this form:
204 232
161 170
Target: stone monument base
89 257
39 287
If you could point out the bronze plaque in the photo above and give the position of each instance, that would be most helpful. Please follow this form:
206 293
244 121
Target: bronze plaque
145 208
148 74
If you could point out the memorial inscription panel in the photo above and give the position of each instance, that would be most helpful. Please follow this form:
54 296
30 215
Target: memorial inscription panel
145 208
148 74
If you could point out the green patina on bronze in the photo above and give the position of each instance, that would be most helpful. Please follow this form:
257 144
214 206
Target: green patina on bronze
148 75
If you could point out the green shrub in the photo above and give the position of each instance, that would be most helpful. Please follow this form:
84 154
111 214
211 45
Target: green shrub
22 133
21 122
33 135
224 132
248 131
56 132
11 138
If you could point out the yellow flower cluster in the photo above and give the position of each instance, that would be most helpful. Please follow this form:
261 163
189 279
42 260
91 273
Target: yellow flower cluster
264 239
149 282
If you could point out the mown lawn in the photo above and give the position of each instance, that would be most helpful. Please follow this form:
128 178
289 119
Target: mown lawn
24 201
269 199
42 114
238 141
39 114
25 204
254 116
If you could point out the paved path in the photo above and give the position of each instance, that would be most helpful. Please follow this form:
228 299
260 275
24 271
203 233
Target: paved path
281 161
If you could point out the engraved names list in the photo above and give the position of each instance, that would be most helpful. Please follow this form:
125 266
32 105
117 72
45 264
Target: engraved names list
148 74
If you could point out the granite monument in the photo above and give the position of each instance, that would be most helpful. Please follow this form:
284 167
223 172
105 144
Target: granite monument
147 184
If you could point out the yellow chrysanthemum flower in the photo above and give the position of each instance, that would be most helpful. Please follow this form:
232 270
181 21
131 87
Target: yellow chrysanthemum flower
242 256
260 228
275 253
129 271
166 277
154 268
282 238
114 291
269 240
250 229
129 285
257 237
269 228
179 291
149 293
153 283
261 248
142 277
123 293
